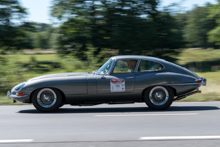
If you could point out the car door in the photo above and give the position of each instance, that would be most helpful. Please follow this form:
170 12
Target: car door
116 83
119 84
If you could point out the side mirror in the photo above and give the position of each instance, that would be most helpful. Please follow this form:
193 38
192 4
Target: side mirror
94 72
102 75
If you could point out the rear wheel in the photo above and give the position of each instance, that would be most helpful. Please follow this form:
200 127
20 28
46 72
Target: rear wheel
159 97
61 105
47 99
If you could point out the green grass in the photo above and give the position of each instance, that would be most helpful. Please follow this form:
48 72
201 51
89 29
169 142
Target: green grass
198 54
210 92
5 101
210 96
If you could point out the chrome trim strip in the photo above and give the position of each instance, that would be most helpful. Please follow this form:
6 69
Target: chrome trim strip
137 66
115 61
184 84
112 66
152 70
21 86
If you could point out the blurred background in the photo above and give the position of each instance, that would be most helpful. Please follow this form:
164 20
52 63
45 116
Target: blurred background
54 36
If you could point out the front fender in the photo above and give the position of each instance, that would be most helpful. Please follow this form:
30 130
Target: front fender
68 85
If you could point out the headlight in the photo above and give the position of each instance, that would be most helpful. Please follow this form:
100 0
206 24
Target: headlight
18 87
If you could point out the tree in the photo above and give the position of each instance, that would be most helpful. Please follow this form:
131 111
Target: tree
44 36
128 26
214 34
41 38
198 25
12 35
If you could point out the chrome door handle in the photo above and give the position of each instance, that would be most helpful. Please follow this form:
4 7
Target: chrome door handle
130 77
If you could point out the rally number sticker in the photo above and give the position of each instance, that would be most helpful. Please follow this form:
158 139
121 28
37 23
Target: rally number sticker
117 85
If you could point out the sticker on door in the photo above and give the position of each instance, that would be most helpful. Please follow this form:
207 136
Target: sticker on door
117 85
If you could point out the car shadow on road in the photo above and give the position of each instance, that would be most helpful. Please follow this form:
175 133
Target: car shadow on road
125 109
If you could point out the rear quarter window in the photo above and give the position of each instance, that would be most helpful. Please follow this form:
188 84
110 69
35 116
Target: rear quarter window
149 66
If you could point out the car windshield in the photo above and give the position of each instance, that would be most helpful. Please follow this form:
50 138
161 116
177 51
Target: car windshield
105 67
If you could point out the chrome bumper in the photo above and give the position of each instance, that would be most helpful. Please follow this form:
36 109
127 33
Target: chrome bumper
204 81
9 95
15 96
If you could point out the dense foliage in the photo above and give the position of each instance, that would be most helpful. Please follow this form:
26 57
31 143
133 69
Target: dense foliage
12 35
198 24
122 26
44 36
129 27
214 13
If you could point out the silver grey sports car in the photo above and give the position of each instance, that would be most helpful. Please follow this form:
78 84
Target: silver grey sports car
122 79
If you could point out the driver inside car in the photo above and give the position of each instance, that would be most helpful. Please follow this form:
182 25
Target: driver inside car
131 65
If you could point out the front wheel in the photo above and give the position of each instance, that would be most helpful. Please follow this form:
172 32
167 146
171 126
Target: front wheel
47 99
159 97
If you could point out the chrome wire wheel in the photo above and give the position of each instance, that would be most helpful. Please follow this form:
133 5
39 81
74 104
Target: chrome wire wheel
159 95
46 98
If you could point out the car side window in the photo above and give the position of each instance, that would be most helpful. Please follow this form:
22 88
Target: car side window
125 66
149 66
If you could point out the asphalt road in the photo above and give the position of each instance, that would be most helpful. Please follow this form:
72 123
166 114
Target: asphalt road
183 124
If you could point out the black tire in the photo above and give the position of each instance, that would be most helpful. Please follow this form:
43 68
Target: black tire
158 97
47 99
61 105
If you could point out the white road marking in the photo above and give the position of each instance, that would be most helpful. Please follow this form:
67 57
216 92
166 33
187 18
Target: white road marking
16 140
161 114
179 137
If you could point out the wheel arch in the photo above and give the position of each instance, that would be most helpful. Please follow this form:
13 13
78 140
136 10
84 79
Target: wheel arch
63 95
174 90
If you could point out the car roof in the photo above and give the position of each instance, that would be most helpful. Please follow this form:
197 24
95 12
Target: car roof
137 57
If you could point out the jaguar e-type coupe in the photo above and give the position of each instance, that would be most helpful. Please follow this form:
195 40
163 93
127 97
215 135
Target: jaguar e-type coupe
122 79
